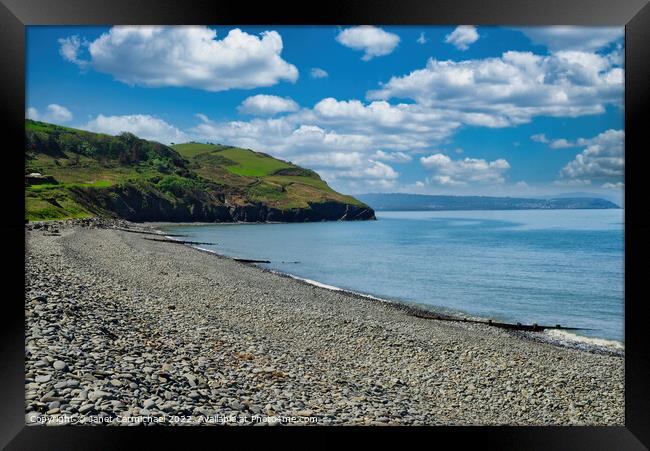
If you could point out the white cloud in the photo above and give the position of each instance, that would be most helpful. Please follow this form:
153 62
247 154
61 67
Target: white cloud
286 136
561 144
317 72
514 88
602 157
141 125
262 104
185 56
617 185
202 117
573 37
32 113
446 171
350 171
462 37
352 165
574 182
372 40
338 160
69 49
400 126
554 144
54 113
422 39
540 138
377 170
395 157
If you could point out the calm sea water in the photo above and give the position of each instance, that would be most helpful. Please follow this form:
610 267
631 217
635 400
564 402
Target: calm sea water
543 266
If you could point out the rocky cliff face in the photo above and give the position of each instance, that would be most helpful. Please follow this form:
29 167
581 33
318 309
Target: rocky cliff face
138 205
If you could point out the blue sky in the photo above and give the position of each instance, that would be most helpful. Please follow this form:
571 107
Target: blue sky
459 110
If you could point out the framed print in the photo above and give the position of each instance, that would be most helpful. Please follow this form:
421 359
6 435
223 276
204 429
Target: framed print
418 214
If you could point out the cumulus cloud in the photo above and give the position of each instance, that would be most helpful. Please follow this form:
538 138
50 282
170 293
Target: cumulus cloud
446 171
69 49
401 126
185 56
350 170
395 157
284 136
422 39
53 113
573 37
602 157
617 185
262 104
372 40
554 144
376 170
514 88
354 165
462 37
141 125
561 144
338 160
317 72
32 113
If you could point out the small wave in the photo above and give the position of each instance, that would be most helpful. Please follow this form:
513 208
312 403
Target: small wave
206 250
317 284
333 288
320 284
568 337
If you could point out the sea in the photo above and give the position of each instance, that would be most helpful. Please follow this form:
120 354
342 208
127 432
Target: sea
529 266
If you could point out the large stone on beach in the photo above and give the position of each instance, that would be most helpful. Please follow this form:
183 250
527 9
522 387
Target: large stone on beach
60 365
191 379
86 408
98 394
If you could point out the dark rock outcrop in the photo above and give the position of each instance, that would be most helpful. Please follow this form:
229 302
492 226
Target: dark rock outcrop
140 204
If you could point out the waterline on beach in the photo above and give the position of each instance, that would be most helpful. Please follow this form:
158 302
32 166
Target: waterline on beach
545 267
557 337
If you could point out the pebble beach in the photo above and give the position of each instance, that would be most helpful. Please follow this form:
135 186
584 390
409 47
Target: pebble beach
123 330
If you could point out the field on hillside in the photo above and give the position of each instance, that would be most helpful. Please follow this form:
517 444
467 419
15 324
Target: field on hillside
266 179
67 162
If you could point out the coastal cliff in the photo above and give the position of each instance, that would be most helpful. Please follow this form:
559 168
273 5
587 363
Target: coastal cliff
138 205
72 173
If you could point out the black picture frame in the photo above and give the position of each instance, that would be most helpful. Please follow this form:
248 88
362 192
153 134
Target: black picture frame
15 15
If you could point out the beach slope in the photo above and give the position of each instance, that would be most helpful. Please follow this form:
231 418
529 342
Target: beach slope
118 325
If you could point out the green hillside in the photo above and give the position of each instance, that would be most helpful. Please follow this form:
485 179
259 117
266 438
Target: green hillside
72 173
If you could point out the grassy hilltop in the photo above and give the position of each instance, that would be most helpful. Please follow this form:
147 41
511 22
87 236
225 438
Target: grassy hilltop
72 173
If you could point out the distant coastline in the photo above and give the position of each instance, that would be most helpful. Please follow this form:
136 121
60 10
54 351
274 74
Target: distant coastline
423 202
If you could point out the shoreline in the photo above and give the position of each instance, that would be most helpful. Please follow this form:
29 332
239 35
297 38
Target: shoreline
561 338
194 333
